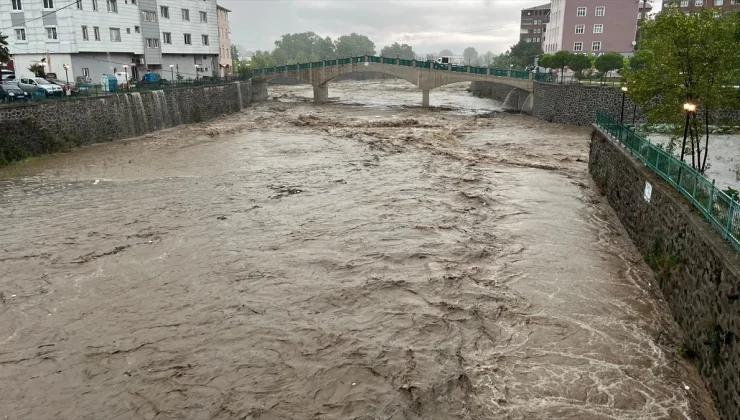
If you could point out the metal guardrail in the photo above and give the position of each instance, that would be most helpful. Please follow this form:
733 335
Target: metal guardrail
721 210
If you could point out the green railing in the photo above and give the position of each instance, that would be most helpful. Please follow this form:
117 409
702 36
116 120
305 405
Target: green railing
345 61
518 74
479 70
407 63
330 63
721 210
499 73
317 64
389 60
304 66
543 77
373 59
292 67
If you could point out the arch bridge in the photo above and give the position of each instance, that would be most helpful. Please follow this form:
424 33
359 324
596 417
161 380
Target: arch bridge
423 74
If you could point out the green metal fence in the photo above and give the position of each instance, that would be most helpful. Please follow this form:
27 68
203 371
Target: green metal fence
543 77
499 73
407 63
721 210
518 74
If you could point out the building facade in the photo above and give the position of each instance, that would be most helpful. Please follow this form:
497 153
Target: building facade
689 5
224 42
597 26
96 37
533 23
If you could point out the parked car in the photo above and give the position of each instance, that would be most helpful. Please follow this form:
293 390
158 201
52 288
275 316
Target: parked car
34 84
7 74
71 86
10 92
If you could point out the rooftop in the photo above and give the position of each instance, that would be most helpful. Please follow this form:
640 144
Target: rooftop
544 6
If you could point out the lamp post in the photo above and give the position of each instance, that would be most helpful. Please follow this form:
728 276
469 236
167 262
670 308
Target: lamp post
125 71
66 75
172 72
624 95
689 108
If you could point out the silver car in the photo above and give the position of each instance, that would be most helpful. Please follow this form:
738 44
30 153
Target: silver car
37 84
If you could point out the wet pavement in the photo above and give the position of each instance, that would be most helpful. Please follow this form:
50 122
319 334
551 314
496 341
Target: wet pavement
365 259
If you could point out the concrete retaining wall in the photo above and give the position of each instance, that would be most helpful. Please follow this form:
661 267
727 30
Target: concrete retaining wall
696 269
44 127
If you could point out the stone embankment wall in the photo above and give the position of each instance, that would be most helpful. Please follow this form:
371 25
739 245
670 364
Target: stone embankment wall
495 91
577 104
698 272
50 126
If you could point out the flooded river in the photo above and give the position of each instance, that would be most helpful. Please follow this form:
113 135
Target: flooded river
364 259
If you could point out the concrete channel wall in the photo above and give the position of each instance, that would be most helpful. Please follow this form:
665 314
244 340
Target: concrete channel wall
495 91
698 272
43 127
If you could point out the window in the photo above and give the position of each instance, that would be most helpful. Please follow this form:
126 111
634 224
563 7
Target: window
86 72
17 5
684 3
48 4
85 35
79 4
204 38
149 16
96 32
185 14
639 15
137 29
600 11
581 11
596 46
719 2
578 46
699 3
167 37
203 17
164 11
95 5
115 34
51 33
188 39
128 31
113 6
20 34
580 29
527 22
598 28
152 43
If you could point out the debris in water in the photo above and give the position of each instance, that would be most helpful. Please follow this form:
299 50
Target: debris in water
219 218
97 181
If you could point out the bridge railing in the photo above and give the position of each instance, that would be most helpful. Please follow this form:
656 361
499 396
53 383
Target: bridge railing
721 210
499 73
518 74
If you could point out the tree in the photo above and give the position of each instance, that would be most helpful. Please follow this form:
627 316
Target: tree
546 61
486 59
353 45
289 45
579 62
470 56
502 61
403 51
446 53
687 58
523 53
4 53
609 61
262 59
37 70
560 60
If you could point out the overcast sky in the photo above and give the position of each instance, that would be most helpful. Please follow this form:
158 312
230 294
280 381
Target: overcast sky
427 25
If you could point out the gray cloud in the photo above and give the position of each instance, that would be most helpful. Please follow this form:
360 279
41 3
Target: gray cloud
428 26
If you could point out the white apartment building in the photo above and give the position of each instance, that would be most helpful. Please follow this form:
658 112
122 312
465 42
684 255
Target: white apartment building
96 37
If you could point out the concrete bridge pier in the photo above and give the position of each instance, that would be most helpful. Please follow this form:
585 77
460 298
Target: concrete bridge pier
320 93
425 98
259 91
515 100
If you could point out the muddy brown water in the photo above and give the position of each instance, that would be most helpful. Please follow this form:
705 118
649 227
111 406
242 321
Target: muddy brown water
364 259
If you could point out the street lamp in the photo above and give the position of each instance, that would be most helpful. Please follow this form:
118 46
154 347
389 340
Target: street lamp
66 74
689 108
172 72
624 94
125 70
